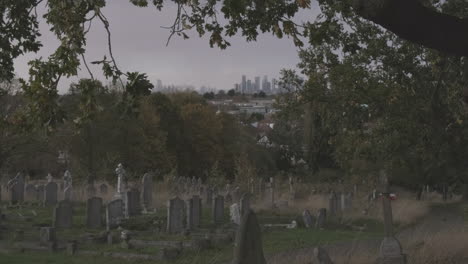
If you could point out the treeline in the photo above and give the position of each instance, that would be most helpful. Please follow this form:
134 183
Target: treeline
100 127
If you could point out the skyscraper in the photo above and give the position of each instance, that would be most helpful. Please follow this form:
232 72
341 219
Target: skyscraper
244 84
257 84
249 87
159 85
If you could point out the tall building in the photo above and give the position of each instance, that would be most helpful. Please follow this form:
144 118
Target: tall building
244 84
274 86
159 85
249 87
257 84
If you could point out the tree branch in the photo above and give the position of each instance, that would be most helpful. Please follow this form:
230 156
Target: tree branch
417 23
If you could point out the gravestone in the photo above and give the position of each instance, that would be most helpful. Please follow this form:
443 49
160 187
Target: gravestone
50 194
175 215
114 213
16 187
63 215
132 203
46 236
236 195
390 249
248 247
30 193
271 193
308 219
321 256
218 209
147 191
194 209
338 207
234 213
209 197
244 204
94 212
67 193
321 218
103 189
40 192
332 204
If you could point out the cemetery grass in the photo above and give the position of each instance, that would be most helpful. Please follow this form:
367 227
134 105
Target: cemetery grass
274 240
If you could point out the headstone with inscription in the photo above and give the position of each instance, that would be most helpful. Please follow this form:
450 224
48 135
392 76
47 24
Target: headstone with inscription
63 215
175 215
114 213
50 194
218 209
94 212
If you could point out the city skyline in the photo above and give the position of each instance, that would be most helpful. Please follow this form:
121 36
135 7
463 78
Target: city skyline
183 62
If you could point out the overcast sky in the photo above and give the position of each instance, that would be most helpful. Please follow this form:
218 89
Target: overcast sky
139 44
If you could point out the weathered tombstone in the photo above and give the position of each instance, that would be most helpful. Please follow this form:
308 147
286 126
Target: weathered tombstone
67 193
16 187
147 191
271 193
390 249
209 197
94 212
309 220
30 193
236 195
40 192
132 203
194 209
234 213
175 215
321 256
244 204
63 215
338 207
248 247
114 213
332 204
50 194
46 236
103 189
218 209
321 217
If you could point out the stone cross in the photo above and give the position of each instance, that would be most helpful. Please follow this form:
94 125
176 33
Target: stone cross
390 249
67 179
121 180
386 205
